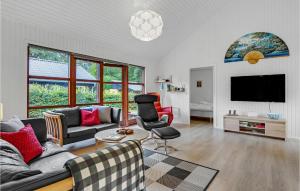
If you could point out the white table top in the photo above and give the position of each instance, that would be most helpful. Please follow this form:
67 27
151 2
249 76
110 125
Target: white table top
138 134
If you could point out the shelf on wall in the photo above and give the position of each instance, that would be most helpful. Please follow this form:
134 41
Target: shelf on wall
167 80
159 82
172 88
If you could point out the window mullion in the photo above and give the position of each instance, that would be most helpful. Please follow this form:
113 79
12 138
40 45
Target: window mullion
101 84
125 94
72 86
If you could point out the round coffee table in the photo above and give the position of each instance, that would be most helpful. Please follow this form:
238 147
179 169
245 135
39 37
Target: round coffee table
138 134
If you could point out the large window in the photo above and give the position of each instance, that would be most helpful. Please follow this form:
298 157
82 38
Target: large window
87 82
48 80
136 86
58 79
112 84
113 88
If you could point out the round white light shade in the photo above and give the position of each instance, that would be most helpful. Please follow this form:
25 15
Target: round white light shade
146 25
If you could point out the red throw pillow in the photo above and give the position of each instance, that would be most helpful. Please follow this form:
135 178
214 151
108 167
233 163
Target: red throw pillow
25 141
89 118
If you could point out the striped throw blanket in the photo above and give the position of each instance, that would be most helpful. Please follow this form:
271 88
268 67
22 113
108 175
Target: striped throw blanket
119 167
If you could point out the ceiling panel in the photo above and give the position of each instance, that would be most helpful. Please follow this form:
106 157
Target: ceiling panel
107 20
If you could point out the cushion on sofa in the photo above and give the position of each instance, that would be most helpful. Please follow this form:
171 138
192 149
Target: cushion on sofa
81 131
90 118
4 145
72 116
25 141
54 162
105 126
104 113
12 125
49 149
12 166
39 127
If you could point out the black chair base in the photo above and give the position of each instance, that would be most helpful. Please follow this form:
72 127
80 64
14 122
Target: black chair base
165 134
165 147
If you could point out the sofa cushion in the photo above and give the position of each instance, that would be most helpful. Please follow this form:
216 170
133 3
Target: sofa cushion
54 162
49 149
72 116
25 141
90 118
115 115
104 113
4 145
12 166
105 126
81 130
12 125
39 127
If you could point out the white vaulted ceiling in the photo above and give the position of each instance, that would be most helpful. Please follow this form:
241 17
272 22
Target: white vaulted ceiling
107 20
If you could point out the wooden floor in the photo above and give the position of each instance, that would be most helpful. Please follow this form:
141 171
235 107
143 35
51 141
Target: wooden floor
246 163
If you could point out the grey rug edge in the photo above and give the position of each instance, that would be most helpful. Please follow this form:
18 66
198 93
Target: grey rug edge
212 179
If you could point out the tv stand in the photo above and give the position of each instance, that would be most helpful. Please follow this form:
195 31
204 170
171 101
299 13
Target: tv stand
260 126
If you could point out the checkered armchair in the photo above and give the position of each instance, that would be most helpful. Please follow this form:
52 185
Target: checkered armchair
119 167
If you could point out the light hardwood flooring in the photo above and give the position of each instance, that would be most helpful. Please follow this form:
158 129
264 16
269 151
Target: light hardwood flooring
246 163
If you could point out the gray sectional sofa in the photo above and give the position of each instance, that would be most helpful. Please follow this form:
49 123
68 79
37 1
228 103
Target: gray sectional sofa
45 169
73 131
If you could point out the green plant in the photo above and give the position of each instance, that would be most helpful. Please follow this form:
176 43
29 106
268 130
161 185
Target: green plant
51 94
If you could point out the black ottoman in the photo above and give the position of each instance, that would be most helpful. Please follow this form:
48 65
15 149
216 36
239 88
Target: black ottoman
165 133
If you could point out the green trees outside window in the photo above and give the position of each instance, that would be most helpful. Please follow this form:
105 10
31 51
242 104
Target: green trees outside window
48 54
50 82
135 74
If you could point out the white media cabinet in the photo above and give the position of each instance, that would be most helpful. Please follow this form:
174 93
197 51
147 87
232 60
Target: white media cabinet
260 126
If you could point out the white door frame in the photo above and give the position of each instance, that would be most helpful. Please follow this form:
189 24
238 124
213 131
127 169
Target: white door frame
214 93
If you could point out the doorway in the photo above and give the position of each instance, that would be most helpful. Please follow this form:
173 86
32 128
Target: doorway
202 96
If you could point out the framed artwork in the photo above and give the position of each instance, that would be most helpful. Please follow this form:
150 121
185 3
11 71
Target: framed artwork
255 46
199 84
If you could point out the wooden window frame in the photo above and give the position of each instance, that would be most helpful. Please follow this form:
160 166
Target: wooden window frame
99 81
72 83
133 121
124 120
45 78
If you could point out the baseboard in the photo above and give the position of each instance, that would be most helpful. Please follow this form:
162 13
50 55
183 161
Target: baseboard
293 139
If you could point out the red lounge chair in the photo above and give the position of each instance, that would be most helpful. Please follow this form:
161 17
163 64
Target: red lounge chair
162 110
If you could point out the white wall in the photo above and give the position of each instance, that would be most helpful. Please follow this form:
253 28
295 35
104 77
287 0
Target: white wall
204 93
207 47
15 38
0 51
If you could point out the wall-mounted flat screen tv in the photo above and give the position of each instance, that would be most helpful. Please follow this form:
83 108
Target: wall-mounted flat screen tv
264 88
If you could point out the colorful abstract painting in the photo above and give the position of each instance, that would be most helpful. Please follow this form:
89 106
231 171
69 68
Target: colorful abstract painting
255 46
